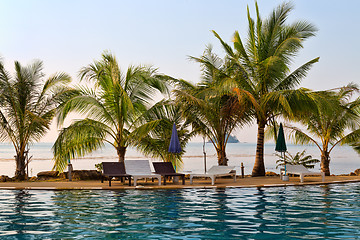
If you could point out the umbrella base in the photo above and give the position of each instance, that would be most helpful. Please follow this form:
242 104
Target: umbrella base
176 179
285 177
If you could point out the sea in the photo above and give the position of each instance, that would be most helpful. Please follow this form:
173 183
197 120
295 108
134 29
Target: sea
343 158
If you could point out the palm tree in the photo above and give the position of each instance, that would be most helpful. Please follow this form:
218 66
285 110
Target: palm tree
212 111
261 69
335 121
114 110
156 143
27 106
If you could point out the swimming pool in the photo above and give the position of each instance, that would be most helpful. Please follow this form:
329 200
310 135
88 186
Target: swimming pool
306 212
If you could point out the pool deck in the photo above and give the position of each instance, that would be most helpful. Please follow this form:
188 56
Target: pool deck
246 182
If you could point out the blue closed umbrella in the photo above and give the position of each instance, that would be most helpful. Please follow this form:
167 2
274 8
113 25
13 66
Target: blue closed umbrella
174 146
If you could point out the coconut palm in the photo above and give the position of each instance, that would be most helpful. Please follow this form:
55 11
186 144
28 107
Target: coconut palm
335 121
262 69
212 111
27 106
156 143
113 110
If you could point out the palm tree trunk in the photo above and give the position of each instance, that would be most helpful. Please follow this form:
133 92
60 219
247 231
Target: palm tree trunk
20 166
222 159
325 163
259 167
121 153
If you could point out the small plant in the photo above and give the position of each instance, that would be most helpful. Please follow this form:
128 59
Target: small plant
299 159
99 167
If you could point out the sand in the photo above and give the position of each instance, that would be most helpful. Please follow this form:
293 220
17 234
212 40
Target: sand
257 182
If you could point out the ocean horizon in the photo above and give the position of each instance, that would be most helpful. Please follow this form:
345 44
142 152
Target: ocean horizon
343 158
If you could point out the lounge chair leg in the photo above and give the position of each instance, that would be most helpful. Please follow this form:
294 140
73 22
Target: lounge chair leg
183 180
135 180
102 178
191 180
164 180
235 177
129 181
301 178
159 179
213 181
110 181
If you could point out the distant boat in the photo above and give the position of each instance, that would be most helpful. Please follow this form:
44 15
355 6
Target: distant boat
232 139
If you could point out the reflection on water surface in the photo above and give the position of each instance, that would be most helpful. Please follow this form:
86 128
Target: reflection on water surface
307 212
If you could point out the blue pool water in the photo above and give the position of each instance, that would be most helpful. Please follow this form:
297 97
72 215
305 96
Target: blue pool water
307 212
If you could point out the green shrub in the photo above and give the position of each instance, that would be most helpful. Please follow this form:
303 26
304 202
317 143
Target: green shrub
299 159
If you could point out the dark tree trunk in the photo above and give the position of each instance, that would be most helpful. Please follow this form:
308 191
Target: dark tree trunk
222 159
259 166
325 163
121 153
20 167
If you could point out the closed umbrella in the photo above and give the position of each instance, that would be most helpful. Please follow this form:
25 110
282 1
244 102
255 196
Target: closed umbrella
280 144
174 146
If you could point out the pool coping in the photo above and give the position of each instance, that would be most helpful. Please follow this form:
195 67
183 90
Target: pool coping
172 187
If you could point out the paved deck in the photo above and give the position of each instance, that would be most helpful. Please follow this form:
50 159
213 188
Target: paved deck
198 183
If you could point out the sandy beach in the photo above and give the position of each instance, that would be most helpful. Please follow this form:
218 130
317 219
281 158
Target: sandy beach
273 181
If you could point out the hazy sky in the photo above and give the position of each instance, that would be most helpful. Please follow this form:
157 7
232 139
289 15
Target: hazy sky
70 34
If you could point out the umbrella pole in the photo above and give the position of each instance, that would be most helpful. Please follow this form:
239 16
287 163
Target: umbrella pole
70 168
283 153
204 156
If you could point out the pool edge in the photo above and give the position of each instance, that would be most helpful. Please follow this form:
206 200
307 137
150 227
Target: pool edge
162 187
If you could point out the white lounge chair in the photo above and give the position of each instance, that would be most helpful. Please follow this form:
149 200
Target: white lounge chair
140 169
215 171
300 170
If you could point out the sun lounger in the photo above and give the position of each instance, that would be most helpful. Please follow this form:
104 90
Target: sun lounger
166 169
140 169
214 172
302 171
114 169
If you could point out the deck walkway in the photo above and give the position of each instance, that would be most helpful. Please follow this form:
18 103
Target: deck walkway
198 183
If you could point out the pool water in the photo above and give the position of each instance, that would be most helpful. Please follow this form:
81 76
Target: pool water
307 212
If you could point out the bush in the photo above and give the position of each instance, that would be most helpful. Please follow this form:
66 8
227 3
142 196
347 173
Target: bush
299 159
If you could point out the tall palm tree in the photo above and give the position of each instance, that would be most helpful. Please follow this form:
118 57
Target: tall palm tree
156 143
114 110
335 121
212 111
27 106
261 68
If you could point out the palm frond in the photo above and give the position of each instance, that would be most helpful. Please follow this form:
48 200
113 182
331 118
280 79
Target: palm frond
77 140
295 77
